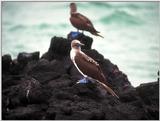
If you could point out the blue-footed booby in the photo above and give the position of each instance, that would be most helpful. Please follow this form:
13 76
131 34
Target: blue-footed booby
87 66
81 22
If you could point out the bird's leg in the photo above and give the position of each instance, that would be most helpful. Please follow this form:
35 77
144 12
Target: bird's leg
77 30
85 76
84 80
82 32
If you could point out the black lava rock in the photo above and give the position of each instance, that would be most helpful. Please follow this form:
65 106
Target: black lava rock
45 88
26 113
6 62
59 48
24 58
149 93
17 65
32 91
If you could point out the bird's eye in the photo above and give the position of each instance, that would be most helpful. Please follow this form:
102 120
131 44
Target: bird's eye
78 45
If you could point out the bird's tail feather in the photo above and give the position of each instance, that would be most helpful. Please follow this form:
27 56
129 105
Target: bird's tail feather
97 31
108 89
97 34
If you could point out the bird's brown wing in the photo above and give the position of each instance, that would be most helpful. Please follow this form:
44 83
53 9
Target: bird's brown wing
85 19
88 23
82 22
89 66
95 63
89 59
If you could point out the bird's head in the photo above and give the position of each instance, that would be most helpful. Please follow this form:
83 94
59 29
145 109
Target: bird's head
73 7
76 44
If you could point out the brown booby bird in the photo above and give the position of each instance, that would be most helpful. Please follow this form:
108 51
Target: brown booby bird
81 22
87 66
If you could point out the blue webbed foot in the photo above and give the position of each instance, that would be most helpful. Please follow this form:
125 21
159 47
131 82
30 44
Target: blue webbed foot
83 81
74 34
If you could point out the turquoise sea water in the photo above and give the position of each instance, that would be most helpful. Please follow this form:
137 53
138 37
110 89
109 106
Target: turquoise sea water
130 29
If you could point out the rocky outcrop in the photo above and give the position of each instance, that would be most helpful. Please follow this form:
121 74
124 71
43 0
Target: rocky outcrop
45 88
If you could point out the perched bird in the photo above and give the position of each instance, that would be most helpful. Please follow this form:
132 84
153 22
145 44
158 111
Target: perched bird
81 22
87 66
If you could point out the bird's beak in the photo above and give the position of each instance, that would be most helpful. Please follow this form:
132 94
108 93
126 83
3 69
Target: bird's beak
81 44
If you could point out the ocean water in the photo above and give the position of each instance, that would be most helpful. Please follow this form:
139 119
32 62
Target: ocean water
130 29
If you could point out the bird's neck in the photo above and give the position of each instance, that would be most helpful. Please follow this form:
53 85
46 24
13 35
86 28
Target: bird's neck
73 13
73 9
76 50
73 53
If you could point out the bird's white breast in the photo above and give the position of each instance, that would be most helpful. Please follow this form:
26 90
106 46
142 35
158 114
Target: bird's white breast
72 54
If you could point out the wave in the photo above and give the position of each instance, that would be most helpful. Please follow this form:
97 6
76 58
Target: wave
121 17
101 4
43 26
17 27
130 5
116 5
